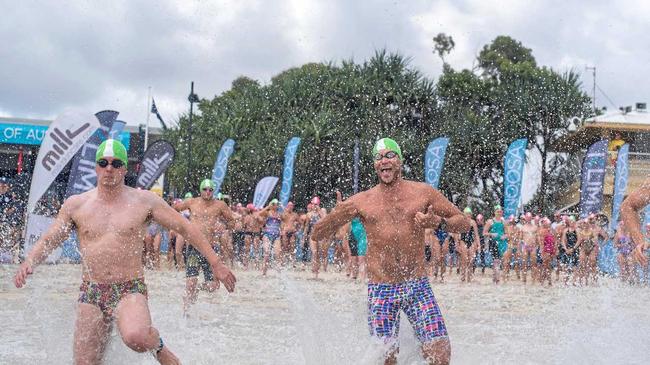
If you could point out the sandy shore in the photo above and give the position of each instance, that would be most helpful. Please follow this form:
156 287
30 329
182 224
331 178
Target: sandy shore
287 318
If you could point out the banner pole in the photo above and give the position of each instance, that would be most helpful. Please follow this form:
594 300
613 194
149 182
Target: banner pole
146 128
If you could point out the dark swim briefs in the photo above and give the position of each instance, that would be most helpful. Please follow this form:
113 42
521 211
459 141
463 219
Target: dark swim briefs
416 299
107 296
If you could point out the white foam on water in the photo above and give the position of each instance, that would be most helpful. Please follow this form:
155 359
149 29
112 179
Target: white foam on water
287 318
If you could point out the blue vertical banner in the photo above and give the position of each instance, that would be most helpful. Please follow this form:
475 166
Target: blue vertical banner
592 179
221 164
607 255
646 218
287 171
513 176
434 159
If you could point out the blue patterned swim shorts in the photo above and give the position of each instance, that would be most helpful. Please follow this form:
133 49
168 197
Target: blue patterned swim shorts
416 299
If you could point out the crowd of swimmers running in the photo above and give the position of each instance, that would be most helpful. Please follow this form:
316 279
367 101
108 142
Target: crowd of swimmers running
562 249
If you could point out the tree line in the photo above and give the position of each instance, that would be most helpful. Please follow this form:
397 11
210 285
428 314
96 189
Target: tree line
504 97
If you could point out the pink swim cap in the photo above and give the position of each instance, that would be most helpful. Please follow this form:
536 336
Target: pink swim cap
315 200
250 206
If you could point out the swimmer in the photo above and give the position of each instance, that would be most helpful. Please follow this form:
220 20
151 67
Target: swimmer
497 241
528 245
630 209
623 245
111 222
289 227
549 250
205 211
270 233
571 252
395 214
318 251
469 245
512 253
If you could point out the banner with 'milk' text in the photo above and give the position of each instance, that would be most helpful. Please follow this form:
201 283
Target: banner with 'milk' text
155 162
593 178
63 139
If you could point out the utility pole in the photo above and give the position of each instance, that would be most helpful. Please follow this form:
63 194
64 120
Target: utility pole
192 98
593 92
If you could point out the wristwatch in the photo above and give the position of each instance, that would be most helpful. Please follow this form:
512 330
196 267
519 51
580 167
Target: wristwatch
443 224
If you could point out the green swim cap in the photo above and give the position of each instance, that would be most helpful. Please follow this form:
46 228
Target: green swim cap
112 148
274 201
498 207
467 210
189 196
387 144
219 196
206 183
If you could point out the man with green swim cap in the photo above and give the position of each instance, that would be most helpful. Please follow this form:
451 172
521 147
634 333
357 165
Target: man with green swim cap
112 148
111 222
210 216
395 214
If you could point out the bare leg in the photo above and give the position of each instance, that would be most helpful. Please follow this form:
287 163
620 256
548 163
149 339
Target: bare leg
437 352
227 251
134 324
191 292
266 246
506 264
315 257
90 335
248 240
180 244
362 268
156 251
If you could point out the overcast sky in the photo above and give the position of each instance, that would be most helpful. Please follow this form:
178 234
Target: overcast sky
104 55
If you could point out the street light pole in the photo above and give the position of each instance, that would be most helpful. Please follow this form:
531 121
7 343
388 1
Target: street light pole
192 98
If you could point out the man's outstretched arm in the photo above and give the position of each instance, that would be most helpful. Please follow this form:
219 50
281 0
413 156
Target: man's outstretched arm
456 220
340 215
56 233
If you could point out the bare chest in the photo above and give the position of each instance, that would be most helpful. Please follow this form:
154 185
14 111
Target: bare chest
95 220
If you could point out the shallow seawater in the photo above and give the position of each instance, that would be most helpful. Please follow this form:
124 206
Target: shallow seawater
287 318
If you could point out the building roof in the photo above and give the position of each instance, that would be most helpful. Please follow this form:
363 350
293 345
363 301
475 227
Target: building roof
618 119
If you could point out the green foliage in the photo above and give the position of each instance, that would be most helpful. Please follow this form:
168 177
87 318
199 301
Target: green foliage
328 105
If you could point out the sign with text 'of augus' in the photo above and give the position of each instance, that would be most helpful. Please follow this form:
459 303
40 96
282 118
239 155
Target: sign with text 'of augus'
155 162
11 133
63 138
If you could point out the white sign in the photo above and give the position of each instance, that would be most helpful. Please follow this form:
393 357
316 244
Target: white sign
63 138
